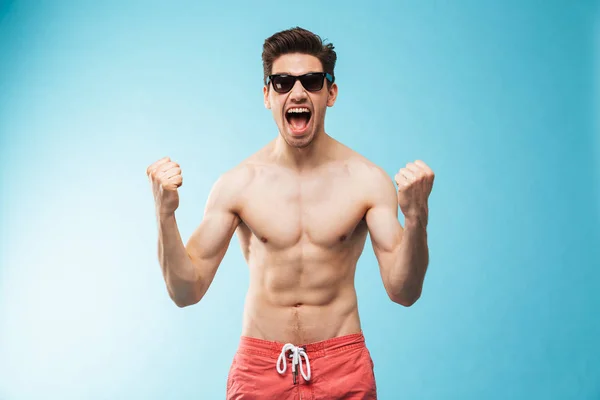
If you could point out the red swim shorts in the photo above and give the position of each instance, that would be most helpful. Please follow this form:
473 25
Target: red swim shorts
334 369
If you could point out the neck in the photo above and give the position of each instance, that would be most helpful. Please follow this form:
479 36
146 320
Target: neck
308 157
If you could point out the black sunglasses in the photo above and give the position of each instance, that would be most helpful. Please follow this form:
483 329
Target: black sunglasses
313 82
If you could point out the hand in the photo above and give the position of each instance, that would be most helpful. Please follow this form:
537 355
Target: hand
415 182
165 177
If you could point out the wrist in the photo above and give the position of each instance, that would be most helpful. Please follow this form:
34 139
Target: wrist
417 220
165 216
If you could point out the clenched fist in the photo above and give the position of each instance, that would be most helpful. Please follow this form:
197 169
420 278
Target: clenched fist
165 177
415 182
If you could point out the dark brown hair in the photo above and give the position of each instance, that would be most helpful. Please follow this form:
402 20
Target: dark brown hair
297 40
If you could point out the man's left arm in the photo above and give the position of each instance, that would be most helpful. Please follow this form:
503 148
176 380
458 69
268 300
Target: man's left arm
402 253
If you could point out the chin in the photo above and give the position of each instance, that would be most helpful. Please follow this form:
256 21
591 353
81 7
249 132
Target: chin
299 142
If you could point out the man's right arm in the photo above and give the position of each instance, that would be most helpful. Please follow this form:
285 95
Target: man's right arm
189 269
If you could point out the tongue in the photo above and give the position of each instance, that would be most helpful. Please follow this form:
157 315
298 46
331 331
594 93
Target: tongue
299 121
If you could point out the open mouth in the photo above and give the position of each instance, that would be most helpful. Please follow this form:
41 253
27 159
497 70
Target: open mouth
298 118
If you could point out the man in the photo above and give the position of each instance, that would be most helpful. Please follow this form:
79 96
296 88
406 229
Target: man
302 207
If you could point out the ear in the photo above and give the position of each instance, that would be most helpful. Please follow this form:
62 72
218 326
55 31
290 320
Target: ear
266 96
332 95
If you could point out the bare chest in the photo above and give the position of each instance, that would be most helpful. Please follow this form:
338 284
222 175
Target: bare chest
283 210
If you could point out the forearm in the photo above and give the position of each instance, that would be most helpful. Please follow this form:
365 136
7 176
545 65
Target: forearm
407 273
180 274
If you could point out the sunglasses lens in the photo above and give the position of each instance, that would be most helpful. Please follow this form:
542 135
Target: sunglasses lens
312 82
283 84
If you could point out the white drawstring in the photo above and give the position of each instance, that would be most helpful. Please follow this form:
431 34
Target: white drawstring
296 356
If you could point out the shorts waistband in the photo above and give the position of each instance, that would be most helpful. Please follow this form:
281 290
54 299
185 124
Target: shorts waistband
272 349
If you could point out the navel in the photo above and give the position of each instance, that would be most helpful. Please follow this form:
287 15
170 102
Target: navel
342 238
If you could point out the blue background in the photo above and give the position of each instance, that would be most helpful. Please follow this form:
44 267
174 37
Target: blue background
499 98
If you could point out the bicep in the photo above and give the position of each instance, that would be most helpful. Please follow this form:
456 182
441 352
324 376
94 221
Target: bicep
382 219
209 242
384 229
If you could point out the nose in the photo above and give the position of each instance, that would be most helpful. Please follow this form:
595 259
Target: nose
297 93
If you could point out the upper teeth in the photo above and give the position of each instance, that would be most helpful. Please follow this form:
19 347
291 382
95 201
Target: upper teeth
298 110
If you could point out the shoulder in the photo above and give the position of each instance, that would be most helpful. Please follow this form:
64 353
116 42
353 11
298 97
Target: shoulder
241 175
226 191
366 171
374 182
231 185
237 177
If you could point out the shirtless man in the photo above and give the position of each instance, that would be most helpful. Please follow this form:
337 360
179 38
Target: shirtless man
302 207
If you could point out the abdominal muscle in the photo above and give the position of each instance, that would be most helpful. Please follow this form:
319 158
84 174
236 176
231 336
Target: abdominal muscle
301 302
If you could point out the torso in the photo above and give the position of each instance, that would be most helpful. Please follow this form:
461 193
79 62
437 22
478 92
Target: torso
302 234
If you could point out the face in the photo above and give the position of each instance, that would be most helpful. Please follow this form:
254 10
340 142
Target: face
299 113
